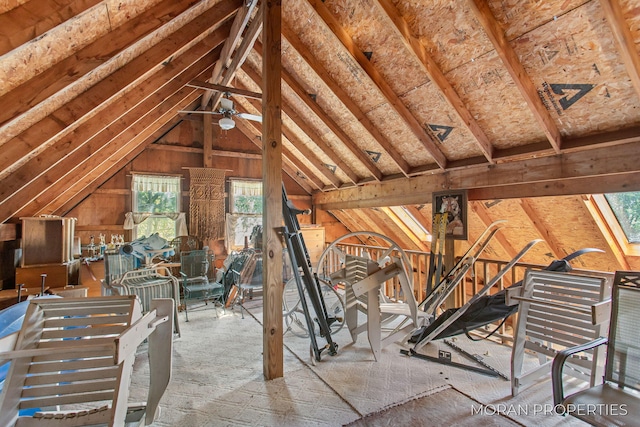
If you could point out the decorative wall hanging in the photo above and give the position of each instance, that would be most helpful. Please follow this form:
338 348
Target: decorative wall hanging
206 203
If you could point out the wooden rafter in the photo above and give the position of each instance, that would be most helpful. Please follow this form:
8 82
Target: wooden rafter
482 212
346 100
626 43
380 82
31 19
516 70
235 34
248 40
290 165
312 134
59 123
86 143
80 68
122 150
543 229
415 48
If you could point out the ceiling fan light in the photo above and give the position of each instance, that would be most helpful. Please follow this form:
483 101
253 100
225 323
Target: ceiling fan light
226 123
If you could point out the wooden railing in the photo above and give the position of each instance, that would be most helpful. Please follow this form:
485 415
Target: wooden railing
482 272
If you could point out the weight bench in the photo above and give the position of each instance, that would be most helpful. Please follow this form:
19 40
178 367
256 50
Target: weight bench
71 362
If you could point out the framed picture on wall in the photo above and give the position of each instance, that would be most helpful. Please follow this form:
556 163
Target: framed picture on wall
455 204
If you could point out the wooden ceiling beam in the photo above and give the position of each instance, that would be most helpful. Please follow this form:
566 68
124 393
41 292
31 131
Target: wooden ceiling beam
625 40
307 153
333 126
375 76
102 57
33 18
87 170
592 166
346 100
248 40
519 75
26 181
312 134
235 35
482 212
418 51
293 167
78 191
395 156
543 229
64 120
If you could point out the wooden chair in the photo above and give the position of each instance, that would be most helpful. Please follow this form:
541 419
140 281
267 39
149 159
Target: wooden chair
71 362
555 313
616 402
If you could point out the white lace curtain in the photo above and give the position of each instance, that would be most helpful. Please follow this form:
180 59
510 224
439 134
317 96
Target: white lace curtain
131 219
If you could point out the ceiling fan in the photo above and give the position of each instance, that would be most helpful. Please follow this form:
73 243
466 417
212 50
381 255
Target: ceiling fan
226 107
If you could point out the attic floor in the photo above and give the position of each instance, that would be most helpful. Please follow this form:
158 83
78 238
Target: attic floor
218 381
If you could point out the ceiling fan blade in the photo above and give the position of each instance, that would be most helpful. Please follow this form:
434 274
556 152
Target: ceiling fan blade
198 112
248 116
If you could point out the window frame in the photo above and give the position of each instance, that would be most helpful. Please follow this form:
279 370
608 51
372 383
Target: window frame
134 199
610 226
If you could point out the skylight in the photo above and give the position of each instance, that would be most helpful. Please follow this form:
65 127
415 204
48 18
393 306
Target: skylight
626 208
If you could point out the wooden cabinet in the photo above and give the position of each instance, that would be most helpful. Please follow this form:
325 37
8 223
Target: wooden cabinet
314 241
47 248
47 240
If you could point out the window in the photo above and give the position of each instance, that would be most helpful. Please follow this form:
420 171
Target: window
245 211
157 200
626 208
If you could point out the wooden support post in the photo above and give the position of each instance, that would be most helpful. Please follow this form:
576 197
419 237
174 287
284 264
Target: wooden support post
449 261
273 361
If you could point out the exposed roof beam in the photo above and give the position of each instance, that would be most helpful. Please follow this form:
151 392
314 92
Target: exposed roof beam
64 121
104 56
83 188
126 146
304 150
379 81
33 18
415 48
596 164
239 24
248 40
91 138
224 89
346 100
543 229
485 217
516 70
292 167
311 133
625 40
